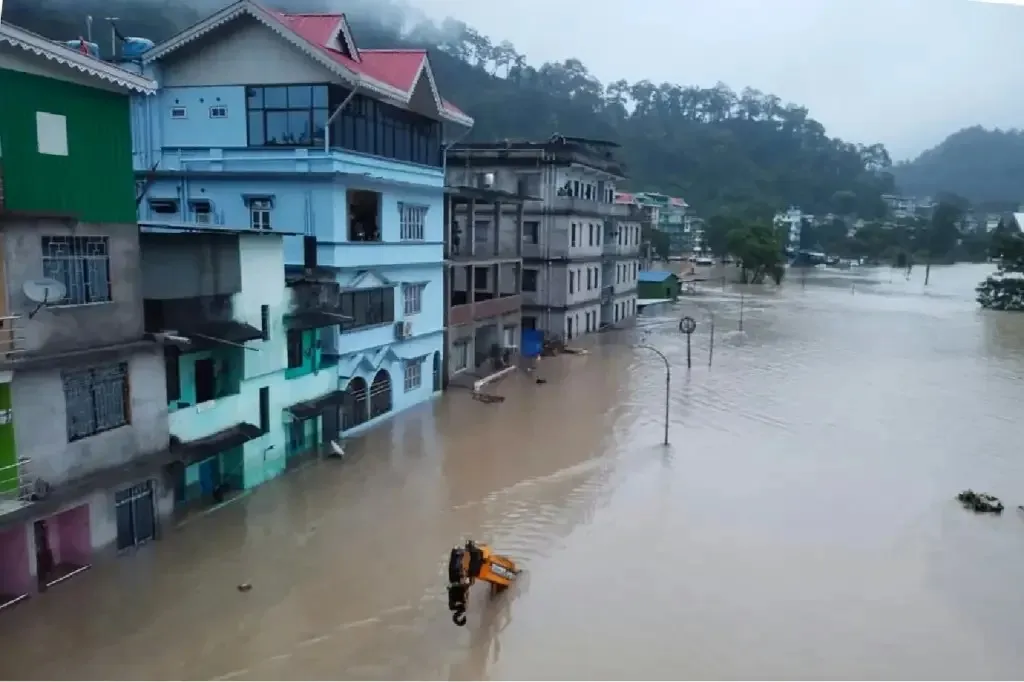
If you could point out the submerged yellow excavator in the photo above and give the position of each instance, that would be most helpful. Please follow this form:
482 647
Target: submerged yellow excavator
469 564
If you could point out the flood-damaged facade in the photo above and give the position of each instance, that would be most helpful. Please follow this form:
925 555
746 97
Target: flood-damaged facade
83 432
280 124
483 281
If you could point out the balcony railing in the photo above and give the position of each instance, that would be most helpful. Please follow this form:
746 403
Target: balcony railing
482 310
11 340
213 416
16 481
576 204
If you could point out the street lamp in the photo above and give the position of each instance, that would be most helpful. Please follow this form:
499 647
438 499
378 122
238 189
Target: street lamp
668 381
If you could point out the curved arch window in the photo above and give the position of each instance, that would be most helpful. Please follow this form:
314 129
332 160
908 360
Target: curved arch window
380 394
354 405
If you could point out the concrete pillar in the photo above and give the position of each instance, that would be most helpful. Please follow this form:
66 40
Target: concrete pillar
496 229
471 228
520 213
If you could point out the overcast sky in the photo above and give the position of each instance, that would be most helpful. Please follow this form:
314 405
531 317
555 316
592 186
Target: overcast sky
902 72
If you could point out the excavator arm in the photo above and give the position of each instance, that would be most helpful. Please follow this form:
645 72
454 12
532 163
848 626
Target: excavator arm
475 562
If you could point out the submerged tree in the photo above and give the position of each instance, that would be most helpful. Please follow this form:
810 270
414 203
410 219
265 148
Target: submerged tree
759 252
1004 289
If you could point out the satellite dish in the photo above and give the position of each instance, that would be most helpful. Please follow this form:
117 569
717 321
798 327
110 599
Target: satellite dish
44 291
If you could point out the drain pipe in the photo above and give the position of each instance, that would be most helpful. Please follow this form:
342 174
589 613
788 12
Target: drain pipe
334 115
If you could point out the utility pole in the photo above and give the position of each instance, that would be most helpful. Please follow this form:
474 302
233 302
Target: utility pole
113 36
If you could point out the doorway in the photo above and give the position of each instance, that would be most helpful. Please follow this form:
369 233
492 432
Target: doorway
437 371
136 521
205 380
45 562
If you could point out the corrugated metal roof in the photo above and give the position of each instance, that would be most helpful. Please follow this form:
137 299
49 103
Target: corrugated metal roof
654 276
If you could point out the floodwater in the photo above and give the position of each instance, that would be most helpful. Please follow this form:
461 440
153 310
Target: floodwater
800 526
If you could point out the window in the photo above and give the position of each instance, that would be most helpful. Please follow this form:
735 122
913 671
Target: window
363 216
531 231
529 322
412 219
591 231
481 230
218 111
412 294
372 127
81 264
575 188
480 278
367 308
163 206
295 358
172 372
265 321
589 276
413 374
529 280
202 210
572 239
265 409
288 116
179 112
572 281
528 184
96 400
259 213
51 134
460 356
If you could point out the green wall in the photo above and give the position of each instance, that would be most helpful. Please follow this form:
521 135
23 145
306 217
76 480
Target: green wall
8 454
95 182
229 367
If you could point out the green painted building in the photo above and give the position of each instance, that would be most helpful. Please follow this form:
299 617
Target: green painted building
65 150
671 219
65 131
658 284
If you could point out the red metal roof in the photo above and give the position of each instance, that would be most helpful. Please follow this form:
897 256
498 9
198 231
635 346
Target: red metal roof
624 198
400 69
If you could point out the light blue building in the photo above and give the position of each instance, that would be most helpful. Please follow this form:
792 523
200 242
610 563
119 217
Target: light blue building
274 124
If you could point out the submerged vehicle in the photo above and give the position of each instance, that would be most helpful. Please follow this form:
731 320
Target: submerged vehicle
475 562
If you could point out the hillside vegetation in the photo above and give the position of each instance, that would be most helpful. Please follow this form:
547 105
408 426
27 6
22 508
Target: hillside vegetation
745 153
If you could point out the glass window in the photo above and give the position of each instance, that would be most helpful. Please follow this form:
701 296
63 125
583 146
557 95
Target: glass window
299 131
277 127
254 98
257 136
320 96
275 98
300 97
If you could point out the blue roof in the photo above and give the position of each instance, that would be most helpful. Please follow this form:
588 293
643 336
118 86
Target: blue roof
654 275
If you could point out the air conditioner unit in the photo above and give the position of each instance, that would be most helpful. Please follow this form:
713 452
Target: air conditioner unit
403 330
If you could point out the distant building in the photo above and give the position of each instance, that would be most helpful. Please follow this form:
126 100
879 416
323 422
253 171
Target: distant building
574 234
83 429
483 280
659 284
671 218
791 224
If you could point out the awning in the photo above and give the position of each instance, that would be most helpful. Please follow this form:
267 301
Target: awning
310 409
211 335
203 448
314 319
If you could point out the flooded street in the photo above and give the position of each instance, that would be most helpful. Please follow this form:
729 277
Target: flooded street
801 524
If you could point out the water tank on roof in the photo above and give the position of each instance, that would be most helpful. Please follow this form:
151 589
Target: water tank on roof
132 48
91 48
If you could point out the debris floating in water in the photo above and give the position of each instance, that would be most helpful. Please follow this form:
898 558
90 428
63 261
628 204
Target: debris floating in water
982 503
244 587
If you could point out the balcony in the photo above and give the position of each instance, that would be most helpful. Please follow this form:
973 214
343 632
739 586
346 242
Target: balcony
213 416
578 205
482 310
370 254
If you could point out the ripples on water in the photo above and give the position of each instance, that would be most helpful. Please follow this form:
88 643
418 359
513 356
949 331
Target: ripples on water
801 525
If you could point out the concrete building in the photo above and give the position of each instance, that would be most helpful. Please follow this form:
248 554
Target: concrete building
84 433
569 213
791 225
281 123
249 389
484 249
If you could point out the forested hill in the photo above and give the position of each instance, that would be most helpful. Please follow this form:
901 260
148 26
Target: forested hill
984 166
746 152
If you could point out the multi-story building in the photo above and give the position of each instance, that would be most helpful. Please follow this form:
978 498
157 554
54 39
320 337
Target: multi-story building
484 249
669 215
791 225
83 432
569 185
281 123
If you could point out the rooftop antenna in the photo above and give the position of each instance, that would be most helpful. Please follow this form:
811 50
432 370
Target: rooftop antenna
43 292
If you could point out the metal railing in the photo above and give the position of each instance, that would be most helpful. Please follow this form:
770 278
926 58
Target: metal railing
16 481
10 336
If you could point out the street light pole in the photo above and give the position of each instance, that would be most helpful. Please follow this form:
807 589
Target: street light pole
668 382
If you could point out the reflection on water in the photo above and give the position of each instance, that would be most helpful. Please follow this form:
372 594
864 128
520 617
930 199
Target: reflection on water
801 524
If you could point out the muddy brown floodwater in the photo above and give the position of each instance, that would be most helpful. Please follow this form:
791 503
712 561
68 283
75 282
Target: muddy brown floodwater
801 525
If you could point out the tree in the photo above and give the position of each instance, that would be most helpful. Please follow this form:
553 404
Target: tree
716 234
659 241
1004 289
759 252
724 151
